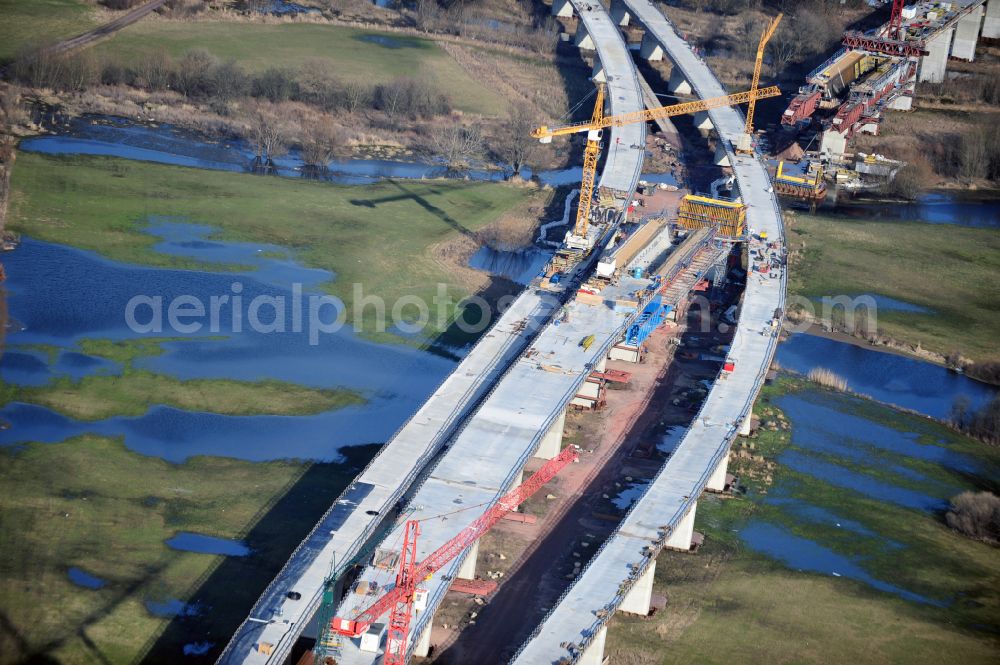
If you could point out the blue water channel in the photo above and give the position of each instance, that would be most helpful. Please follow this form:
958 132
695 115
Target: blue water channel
891 378
59 295
168 144
933 208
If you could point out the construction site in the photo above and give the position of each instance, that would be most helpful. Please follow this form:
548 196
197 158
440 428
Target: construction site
874 73
598 394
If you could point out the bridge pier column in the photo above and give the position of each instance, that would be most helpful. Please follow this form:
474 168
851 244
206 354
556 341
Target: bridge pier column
991 24
597 74
680 538
677 84
934 64
594 655
650 49
619 13
702 121
717 481
721 156
639 596
562 8
583 39
422 647
468 569
601 364
551 443
747 422
967 35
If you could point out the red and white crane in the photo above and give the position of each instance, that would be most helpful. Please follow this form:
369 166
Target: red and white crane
398 601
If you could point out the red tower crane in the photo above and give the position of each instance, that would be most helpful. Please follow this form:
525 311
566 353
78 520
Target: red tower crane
399 600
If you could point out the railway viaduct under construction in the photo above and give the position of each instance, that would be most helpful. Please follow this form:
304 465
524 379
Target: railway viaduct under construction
506 401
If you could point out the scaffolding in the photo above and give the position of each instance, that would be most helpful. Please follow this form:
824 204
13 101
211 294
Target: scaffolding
728 218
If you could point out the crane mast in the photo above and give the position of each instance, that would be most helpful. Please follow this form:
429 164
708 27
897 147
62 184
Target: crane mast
399 600
764 38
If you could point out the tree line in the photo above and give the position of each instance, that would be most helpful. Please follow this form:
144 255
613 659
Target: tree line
200 76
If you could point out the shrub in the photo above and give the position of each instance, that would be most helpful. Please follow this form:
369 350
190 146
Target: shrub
976 514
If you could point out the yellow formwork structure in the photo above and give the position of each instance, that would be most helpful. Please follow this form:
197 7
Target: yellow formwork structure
728 218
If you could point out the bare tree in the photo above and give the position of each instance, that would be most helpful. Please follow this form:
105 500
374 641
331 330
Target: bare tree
783 47
515 144
356 96
323 141
268 132
458 145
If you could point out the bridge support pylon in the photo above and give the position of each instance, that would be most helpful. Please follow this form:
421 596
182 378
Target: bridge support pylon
650 49
619 13
677 84
746 424
468 569
422 647
681 537
721 156
967 35
703 122
583 40
991 24
562 8
597 74
594 655
551 443
934 65
637 600
717 481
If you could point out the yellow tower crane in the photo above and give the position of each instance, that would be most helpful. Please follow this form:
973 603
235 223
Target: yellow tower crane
599 121
746 145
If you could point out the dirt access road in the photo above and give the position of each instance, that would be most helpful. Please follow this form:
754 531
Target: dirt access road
111 27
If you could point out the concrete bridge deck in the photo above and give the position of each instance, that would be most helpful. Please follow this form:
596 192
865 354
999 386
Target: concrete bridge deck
620 575
359 511
362 509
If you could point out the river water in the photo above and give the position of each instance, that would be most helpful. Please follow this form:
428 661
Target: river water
167 144
887 377
933 208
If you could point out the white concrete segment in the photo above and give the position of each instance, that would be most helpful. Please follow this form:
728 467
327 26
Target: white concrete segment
278 620
672 495
991 23
626 146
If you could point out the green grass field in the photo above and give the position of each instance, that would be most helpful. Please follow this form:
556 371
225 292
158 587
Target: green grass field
31 22
731 604
352 54
91 503
377 236
97 397
950 270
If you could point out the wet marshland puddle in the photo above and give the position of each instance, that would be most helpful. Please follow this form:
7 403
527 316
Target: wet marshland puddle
840 457
84 579
202 544
60 295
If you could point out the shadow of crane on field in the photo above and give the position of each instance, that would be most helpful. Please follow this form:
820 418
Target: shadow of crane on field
408 194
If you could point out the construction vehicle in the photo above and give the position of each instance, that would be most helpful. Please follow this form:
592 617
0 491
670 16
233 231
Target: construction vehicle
400 599
745 145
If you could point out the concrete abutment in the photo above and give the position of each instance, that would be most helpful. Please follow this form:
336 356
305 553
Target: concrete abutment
681 537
